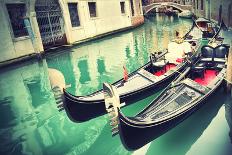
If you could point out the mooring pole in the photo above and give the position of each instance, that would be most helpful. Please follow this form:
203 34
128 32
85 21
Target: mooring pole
229 70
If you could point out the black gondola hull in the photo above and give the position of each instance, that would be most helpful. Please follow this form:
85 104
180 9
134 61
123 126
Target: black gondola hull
79 111
129 132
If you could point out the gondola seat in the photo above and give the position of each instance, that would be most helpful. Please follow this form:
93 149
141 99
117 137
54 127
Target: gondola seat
220 54
160 65
207 56
198 70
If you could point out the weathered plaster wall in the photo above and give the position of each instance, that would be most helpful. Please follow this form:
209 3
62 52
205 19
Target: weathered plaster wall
11 47
109 18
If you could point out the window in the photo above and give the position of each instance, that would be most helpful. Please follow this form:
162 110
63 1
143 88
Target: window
197 4
92 9
140 9
72 7
132 7
16 13
122 4
202 5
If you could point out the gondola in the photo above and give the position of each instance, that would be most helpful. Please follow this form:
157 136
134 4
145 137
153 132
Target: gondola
179 100
208 28
155 74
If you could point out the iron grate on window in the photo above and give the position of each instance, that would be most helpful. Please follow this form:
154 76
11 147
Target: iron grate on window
16 13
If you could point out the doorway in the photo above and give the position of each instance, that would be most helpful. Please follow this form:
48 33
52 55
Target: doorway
51 24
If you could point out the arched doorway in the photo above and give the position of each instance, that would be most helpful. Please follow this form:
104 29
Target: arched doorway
51 24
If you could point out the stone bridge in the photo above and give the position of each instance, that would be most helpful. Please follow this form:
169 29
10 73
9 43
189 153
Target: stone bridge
177 6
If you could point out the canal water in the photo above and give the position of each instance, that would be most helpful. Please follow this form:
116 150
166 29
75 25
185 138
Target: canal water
31 124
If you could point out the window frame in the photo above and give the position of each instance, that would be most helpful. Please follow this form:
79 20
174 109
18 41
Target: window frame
12 32
96 12
78 14
123 11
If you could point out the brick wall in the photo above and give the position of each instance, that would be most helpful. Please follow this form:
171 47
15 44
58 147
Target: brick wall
137 20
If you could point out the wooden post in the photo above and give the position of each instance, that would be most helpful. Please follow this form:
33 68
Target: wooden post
229 70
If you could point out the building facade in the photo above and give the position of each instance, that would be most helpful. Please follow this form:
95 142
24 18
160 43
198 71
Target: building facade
214 10
31 26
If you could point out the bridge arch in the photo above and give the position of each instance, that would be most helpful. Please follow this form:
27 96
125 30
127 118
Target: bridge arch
157 6
176 6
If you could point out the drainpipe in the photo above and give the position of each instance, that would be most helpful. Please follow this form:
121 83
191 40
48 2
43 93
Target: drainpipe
38 45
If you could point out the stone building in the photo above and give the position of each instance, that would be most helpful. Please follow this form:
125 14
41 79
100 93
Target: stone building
214 10
28 27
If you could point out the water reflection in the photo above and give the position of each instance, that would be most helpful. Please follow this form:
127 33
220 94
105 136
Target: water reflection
228 115
84 74
30 122
65 64
26 90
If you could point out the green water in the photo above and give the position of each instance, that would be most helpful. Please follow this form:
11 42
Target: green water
31 124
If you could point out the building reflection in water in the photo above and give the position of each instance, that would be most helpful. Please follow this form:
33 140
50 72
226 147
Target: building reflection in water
30 121
26 92
84 71
164 31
